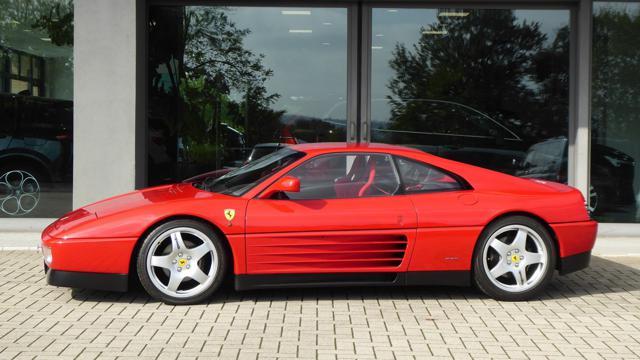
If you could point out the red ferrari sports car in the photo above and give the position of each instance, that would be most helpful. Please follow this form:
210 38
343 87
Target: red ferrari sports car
328 214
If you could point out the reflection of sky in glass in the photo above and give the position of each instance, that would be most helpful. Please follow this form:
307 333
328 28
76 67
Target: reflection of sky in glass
627 7
307 51
391 26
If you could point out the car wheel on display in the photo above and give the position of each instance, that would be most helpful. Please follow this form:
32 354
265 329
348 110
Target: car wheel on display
514 259
182 262
19 191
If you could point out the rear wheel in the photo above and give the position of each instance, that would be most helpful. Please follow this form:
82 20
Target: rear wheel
515 259
182 262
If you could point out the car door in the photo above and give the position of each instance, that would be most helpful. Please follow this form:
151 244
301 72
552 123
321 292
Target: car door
448 217
346 218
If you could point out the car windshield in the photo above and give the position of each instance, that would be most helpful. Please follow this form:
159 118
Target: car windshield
241 180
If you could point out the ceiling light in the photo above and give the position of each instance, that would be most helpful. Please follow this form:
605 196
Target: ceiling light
392 10
377 48
435 32
46 39
300 31
327 23
326 44
295 12
453 13
379 35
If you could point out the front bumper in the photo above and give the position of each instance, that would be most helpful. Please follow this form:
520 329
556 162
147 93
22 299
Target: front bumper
87 280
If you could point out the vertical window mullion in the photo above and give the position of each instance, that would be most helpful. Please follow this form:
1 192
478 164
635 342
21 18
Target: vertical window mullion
353 67
365 74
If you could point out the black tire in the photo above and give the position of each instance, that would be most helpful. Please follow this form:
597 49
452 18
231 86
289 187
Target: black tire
220 251
480 276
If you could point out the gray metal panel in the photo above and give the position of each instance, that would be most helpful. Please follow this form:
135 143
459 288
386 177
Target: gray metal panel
142 138
573 114
365 71
581 135
352 73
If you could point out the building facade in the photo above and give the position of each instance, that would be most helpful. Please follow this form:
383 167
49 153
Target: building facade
99 98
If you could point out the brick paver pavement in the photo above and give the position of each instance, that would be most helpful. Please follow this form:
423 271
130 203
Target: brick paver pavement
592 314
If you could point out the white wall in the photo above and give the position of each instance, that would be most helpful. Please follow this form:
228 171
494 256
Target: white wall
105 128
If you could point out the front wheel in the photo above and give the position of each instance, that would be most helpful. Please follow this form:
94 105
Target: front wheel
515 259
182 262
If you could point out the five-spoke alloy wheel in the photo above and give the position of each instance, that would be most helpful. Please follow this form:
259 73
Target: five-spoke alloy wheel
514 259
181 262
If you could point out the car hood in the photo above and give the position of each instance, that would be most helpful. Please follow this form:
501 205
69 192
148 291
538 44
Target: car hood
132 201
145 197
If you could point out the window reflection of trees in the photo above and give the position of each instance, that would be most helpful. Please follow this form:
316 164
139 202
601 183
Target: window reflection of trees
489 61
615 101
616 75
197 61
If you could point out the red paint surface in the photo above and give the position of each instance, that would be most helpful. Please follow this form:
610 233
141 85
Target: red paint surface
421 232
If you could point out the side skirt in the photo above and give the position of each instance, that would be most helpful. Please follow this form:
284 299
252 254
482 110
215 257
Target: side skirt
419 278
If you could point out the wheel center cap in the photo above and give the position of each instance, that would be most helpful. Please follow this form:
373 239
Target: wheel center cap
515 259
182 262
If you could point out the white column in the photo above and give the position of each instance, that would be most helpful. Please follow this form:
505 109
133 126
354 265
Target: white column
105 100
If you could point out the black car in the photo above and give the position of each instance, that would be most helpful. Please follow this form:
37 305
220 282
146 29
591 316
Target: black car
35 149
612 172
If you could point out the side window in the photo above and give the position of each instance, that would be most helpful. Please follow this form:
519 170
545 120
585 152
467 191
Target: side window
343 176
419 177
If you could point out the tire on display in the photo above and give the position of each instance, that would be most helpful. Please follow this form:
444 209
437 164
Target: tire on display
182 262
514 259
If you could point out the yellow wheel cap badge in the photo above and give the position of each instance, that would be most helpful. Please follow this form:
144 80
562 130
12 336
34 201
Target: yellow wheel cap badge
515 258
182 262
229 214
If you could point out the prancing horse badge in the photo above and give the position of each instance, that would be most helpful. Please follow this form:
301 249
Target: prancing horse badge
229 214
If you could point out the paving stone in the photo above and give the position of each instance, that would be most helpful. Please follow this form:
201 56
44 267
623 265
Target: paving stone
591 314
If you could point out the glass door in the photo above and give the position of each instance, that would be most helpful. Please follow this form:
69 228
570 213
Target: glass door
488 87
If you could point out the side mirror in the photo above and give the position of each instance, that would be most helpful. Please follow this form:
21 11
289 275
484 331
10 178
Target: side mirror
285 184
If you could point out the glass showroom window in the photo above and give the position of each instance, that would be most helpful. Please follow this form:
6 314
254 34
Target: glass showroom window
615 108
36 108
232 84
489 87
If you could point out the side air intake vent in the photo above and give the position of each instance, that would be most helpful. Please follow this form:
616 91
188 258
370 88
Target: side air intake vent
348 252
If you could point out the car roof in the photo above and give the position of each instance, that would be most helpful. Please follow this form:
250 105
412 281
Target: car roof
343 146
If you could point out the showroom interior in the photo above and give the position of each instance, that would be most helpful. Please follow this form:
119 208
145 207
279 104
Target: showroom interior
537 89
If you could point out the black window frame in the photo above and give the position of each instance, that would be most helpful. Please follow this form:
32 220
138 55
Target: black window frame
7 76
359 71
463 184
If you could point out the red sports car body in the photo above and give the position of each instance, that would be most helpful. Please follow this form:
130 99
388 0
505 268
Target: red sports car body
330 214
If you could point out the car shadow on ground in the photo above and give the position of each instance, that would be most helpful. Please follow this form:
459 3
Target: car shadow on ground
604 276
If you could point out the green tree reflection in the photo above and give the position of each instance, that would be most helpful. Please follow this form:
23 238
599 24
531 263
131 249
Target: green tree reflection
198 62
616 75
490 61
